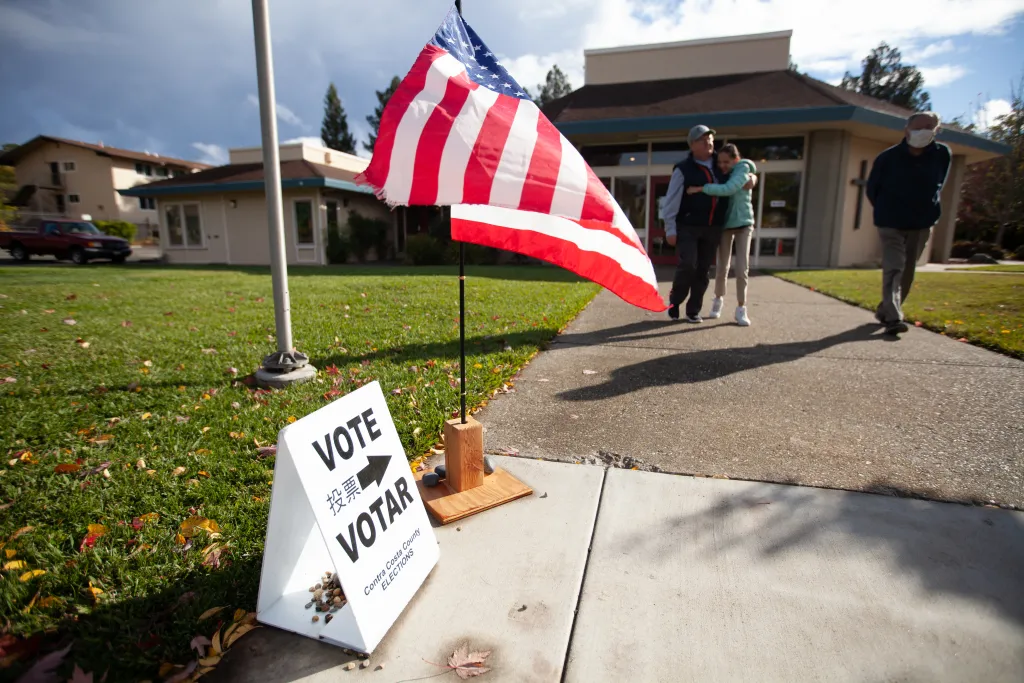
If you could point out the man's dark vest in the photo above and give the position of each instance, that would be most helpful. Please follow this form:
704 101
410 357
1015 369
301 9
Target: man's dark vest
700 209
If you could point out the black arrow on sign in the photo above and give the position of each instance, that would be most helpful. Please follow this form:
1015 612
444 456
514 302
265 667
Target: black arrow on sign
374 470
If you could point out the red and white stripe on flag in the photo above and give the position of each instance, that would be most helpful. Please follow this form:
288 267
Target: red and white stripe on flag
460 132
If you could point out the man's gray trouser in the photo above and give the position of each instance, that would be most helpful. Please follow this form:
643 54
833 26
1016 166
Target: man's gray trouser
901 250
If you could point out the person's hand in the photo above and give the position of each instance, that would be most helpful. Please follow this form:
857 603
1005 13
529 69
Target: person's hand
670 240
694 190
751 183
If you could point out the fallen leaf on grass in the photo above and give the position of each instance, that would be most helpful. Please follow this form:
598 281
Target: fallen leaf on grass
178 471
468 664
14 564
209 661
146 416
200 643
48 602
67 468
70 321
10 552
43 671
244 628
207 614
79 676
267 451
212 554
191 526
182 675
20 532
140 464
29 575
126 323
8 380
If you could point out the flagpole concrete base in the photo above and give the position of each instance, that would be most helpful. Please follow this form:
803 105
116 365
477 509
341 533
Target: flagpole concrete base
271 379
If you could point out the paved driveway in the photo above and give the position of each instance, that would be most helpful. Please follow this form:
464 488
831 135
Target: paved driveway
813 393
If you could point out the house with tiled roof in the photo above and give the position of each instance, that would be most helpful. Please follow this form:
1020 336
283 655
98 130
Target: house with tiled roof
813 143
220 215
69 178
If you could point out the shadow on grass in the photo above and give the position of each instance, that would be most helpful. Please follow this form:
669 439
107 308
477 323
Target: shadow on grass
525 273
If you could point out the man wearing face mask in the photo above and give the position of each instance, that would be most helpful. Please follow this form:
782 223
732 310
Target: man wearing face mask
904 188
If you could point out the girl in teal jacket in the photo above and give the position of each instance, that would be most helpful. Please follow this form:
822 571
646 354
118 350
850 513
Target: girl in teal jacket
739 228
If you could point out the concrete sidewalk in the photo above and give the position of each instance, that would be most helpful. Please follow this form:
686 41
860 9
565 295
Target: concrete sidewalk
812 393
605 576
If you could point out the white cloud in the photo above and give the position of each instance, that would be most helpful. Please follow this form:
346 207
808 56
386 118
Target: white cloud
283 113
215 155
938 76
820 40
989 112
929 51
531 70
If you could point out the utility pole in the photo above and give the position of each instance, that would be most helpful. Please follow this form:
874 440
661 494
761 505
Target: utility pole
286 366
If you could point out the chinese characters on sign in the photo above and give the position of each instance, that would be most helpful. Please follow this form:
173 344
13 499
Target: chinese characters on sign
338 499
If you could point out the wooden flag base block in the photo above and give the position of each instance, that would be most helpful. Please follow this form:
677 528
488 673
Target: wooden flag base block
466 490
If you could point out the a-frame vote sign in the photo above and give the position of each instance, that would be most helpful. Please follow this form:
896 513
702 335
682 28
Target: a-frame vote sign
344 500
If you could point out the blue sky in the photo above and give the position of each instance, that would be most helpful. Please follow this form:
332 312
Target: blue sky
178 78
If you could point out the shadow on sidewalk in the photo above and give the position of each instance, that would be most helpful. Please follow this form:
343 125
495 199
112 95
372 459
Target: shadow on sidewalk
710 364
952 550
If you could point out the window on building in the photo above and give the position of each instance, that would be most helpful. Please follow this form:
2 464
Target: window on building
669 152
147 203
161 172
177 172
184 226
74 199
61 203
304 223
770 246
69 167
144 169
781 206
770 149
616 155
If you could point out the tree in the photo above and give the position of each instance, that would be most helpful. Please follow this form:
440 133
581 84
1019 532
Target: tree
555 86
334 131
992 199
383 96
8 188
884 76
793 65
8 146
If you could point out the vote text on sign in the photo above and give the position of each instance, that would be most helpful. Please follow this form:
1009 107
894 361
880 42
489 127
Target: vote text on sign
344 500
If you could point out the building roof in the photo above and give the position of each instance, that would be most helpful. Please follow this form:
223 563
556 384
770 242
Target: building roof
771 97
241 177
12 157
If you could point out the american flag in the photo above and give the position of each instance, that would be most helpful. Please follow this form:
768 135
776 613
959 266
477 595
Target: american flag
460 132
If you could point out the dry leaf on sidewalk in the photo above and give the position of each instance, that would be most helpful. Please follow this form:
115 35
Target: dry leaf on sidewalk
468 664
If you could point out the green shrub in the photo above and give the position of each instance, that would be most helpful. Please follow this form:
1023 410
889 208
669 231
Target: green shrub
967 249
122 229
476 255
367 233
1018 253
338 247
424 250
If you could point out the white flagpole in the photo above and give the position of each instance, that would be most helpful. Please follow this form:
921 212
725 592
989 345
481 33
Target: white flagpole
286 366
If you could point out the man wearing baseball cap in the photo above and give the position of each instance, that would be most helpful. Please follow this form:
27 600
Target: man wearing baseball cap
693 223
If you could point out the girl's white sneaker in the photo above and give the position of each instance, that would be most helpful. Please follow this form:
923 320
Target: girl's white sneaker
741 316
716 307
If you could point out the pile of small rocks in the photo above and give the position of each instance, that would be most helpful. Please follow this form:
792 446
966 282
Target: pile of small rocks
626 462
327 597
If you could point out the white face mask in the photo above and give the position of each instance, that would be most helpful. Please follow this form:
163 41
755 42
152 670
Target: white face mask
920 138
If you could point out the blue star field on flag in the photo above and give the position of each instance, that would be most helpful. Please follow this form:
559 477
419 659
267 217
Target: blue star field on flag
461 41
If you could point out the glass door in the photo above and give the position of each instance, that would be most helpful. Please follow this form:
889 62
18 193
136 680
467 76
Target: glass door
660 252
777 200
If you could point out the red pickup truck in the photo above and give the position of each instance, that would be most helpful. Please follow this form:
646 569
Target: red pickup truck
79 241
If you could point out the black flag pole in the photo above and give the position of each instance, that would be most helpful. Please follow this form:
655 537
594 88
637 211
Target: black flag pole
462 306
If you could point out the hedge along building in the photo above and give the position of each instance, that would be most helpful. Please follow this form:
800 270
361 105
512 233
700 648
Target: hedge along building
220 215
813 143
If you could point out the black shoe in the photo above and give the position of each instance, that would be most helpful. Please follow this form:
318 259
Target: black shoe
694 319
879 318
673 311
897 328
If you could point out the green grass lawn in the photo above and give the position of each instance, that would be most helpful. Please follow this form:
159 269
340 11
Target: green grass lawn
983 309
1001 268
137 418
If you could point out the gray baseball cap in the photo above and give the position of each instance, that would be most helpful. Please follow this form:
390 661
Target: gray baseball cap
697 132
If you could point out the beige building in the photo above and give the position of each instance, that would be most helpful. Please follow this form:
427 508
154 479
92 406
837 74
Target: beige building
813 143
220 215
58 177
